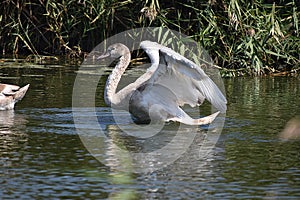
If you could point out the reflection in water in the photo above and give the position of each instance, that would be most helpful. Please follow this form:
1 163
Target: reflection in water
266 166
7 118
42 157
147 154
10 136
291 130
113 143
127 155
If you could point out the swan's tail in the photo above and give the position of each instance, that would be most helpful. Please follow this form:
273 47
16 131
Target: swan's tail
21 93
206 120
186 119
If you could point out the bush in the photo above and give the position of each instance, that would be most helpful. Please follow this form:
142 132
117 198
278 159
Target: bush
243 37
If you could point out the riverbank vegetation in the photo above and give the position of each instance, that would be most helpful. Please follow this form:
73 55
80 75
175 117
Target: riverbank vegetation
243 37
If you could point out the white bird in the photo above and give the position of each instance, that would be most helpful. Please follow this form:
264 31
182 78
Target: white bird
10 94
171 82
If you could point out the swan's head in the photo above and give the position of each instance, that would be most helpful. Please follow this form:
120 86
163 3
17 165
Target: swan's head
115 51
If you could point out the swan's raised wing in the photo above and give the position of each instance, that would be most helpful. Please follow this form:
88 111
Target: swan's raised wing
8 89
183 77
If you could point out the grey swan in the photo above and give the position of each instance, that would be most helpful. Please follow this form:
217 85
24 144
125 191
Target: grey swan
169 83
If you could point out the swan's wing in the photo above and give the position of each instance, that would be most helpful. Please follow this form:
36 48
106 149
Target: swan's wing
183 77
157 102
8 89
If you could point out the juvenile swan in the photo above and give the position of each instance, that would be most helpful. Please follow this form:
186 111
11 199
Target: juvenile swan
170 82
10 94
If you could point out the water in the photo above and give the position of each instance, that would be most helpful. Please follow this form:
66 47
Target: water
42 156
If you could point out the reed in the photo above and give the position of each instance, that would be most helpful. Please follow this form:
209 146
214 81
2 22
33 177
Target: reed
243 37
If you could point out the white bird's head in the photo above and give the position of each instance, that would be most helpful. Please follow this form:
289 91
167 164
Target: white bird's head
115 51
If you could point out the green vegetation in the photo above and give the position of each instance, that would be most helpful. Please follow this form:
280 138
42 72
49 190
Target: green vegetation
243 37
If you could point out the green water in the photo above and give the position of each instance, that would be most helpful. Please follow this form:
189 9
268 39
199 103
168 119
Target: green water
42 156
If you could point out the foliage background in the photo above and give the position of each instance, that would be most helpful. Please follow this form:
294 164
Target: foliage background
242 36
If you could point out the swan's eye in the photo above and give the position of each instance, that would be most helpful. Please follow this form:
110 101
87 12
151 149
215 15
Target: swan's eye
112 49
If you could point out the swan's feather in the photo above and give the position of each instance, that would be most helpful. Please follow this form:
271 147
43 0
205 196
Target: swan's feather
10 94
171 81
182 77
8 89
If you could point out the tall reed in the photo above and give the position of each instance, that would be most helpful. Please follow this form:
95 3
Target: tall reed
242 36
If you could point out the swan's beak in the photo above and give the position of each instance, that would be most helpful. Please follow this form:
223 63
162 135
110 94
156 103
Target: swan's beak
105 55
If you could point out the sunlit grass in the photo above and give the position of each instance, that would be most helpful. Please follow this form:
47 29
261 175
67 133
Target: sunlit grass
243 37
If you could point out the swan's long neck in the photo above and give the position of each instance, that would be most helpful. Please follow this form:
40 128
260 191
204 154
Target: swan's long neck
110 96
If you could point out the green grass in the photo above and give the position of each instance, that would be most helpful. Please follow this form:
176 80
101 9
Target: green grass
243 38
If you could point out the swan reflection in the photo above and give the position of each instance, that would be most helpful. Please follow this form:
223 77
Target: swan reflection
113 145
11 138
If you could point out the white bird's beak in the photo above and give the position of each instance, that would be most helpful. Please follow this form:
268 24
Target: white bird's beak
104 55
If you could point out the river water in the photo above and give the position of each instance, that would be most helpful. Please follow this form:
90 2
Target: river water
42 155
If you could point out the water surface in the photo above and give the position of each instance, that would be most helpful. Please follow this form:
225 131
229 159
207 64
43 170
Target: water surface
42 156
